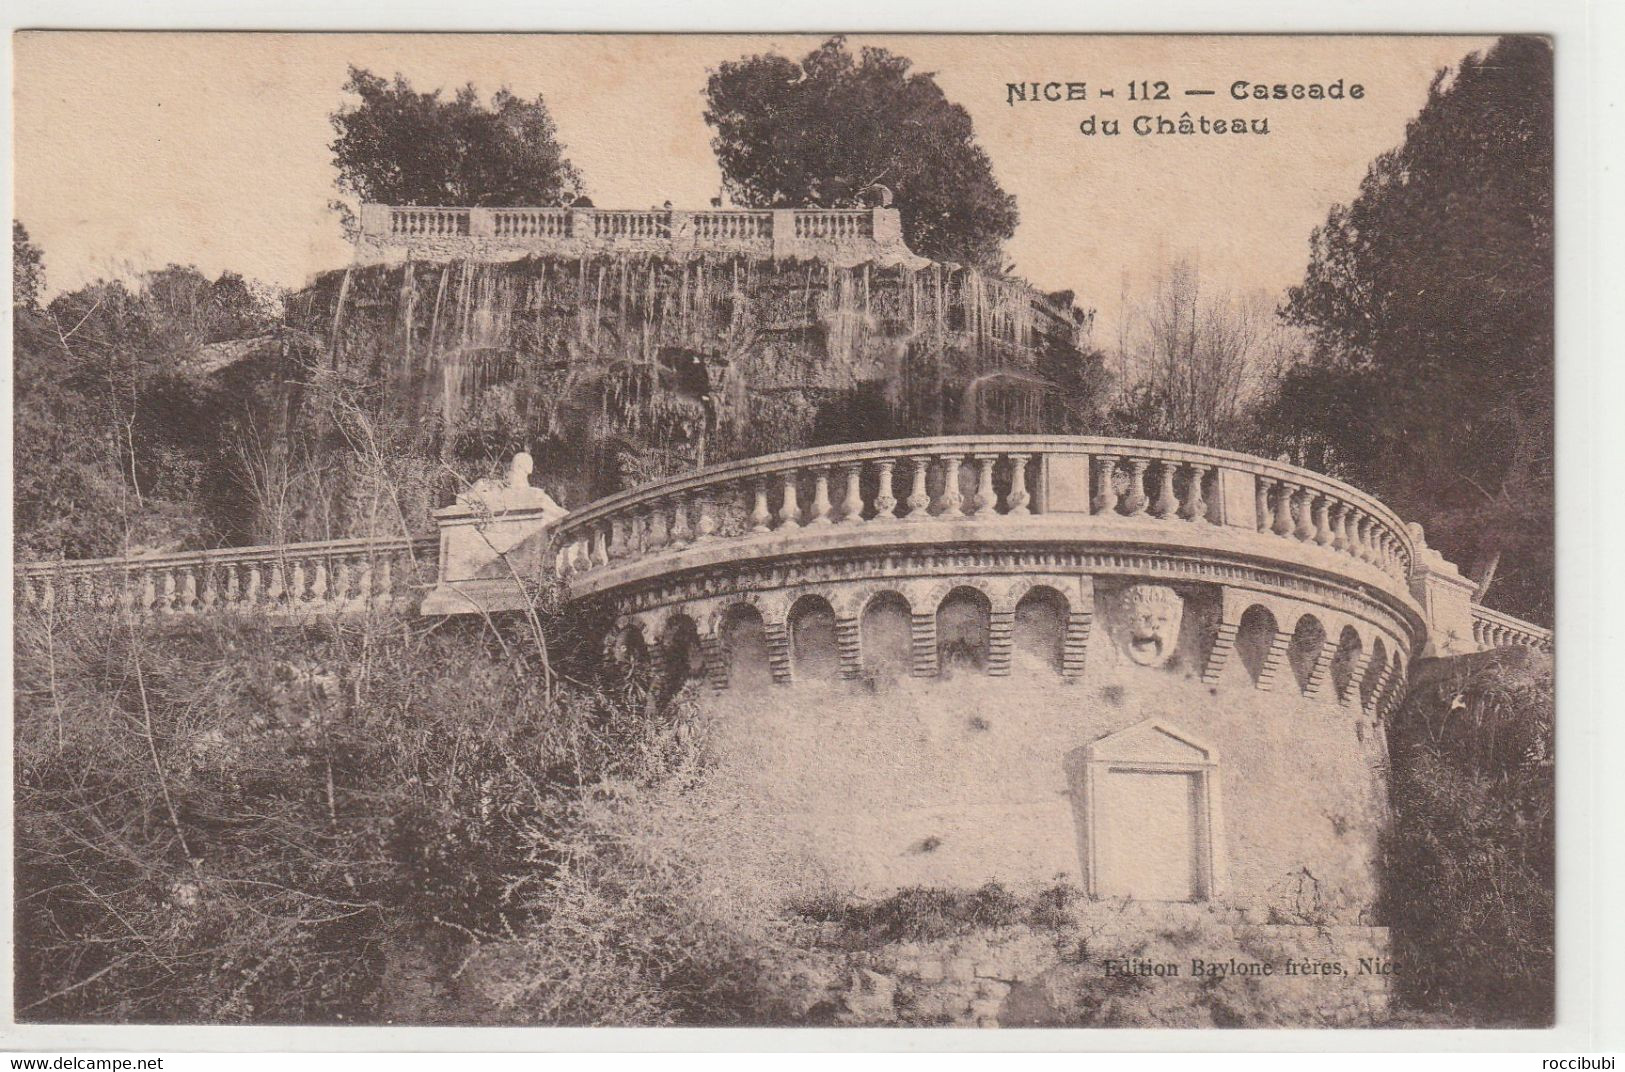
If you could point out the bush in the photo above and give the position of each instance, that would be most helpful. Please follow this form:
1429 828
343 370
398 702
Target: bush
222 821
1470 855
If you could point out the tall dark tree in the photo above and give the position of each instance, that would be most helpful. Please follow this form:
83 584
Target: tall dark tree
1429 303
823 129
401 147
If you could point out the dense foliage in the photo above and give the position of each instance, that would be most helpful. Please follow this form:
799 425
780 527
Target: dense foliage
120 419
1429 303
397 146
823 129
1471 857
234 822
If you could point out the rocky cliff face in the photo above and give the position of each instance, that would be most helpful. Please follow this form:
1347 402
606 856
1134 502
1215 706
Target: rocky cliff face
613 370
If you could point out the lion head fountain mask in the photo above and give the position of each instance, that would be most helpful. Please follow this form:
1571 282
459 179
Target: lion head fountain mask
1152 613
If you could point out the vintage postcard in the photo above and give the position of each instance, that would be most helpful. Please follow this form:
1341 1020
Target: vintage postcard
887 531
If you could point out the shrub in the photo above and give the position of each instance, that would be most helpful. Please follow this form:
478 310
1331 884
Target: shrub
222 821
1470 855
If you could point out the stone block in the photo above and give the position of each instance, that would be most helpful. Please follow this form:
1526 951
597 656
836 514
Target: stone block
961 969
931 970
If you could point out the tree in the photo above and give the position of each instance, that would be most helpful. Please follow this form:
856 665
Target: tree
1429 303
1196 364
401 147
822 130
27 269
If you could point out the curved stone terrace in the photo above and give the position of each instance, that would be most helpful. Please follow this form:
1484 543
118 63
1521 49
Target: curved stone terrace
857 514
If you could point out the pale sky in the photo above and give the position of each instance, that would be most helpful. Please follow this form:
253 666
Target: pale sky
135 150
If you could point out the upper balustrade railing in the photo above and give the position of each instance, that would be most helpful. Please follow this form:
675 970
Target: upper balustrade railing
765 232
1492 629
1104 484
278 579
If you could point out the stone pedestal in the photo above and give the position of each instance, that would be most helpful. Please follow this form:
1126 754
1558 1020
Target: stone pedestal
493 541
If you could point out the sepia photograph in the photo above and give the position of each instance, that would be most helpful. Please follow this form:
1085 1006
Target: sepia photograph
784 530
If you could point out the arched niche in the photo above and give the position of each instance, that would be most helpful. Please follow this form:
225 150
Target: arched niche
963 620
682 658
744 647
886 635
814 653
1349 648
1253 639
1040 630
1308 639
1374 674
1150 823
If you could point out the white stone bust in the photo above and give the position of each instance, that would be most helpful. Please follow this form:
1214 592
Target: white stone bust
512 492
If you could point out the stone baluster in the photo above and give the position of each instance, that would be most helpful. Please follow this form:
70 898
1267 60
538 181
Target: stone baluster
275 587
598 556
761 518
1106 499
1166 504
166 592
852 497
363 584
1136 502
1302 508
1018 503
1284 494
296 583
819 509
384 581
341 575
188 593
789 508
919 500
952 504
1195 506
318 581
617 538
1340 526
1266 517
1362 537
208 596
656 525
885 501
1323 525
705 526
987 499
680 533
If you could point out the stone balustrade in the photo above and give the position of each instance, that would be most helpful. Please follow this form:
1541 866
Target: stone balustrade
841 235
330 576
991 488
1492 629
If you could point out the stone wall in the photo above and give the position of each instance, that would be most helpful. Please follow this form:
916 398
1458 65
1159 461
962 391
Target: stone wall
1176 966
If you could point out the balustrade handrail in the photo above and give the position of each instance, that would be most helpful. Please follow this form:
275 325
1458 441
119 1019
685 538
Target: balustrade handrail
1096 446
221 555
1514 625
